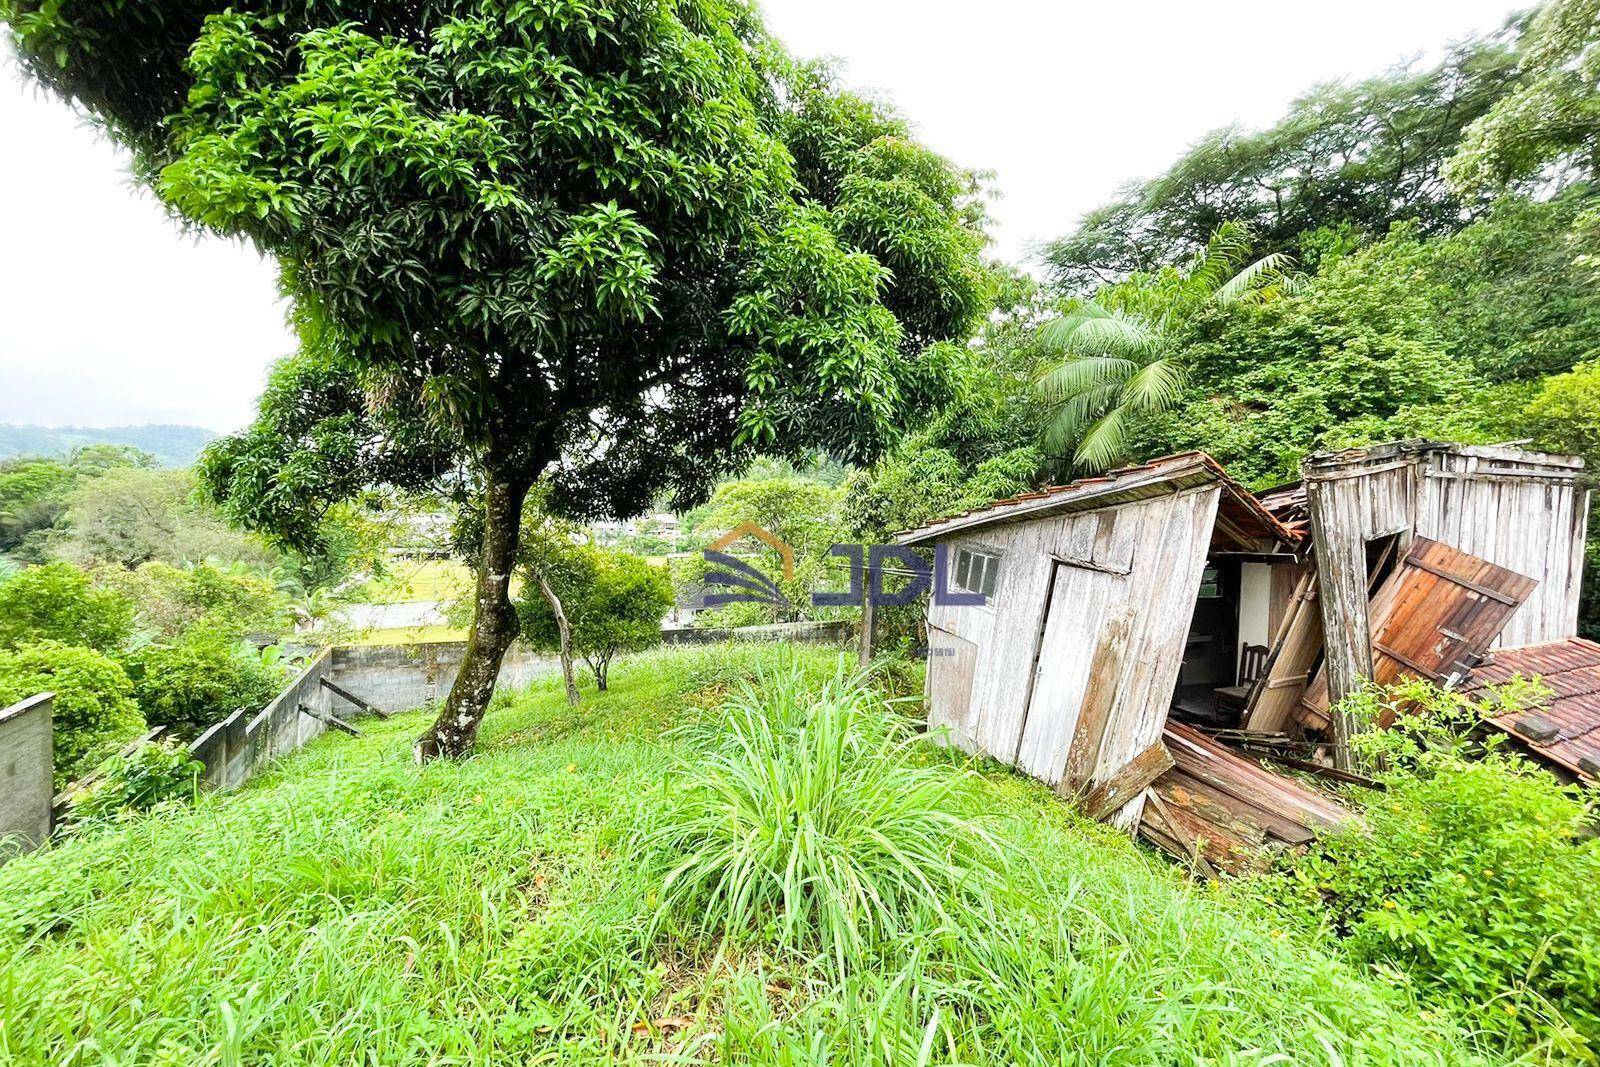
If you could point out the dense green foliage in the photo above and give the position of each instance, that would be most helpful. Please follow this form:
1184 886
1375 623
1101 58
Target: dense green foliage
255 926
199 677
35 494
1473 874
614 602
175 637
154 776
1124 349
1552 116
58 602
93 713
132 515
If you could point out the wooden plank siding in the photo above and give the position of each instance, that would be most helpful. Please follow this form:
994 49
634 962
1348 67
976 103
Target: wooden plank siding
1129 570
1523 511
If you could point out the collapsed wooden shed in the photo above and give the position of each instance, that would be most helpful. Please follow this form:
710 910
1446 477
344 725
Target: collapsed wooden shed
1068 670
1123 611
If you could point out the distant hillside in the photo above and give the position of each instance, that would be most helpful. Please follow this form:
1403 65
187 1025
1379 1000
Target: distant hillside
173 446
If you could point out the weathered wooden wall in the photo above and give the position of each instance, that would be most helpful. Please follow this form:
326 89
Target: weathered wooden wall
1524 511
1121 580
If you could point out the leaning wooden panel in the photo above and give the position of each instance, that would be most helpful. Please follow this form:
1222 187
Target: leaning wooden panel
1434 617
1294 653
1170 577
951 663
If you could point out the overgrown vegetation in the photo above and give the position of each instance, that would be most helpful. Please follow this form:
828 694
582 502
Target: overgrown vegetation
339 909
1472 876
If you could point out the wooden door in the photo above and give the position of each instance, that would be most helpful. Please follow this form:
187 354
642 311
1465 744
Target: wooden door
952 662
1433 618
1078 647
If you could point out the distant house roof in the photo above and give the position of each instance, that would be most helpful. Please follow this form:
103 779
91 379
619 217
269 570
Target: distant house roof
1566 730
1239 513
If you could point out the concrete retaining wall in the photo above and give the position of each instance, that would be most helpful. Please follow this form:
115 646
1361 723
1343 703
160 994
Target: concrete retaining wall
405 677
233 749
27 765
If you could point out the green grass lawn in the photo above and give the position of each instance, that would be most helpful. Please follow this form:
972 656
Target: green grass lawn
350 907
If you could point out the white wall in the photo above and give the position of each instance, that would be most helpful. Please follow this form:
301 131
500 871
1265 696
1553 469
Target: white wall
1255 605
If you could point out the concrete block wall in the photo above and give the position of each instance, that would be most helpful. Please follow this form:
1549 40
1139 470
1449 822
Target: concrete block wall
405 677
27 767
233 749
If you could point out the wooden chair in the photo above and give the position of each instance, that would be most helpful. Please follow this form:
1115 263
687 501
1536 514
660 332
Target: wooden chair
1252 664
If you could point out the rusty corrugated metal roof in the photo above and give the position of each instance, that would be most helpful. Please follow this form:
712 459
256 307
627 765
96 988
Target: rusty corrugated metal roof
1239 503
1566 729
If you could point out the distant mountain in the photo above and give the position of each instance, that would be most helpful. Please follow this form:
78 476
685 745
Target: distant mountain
173 446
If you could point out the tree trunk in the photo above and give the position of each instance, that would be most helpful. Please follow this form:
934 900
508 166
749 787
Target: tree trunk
494 622
566 637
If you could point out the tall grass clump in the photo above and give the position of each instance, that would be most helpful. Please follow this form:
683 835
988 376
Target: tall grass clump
805 819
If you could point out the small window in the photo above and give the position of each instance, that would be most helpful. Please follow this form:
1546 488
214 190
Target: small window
1210 589
977 572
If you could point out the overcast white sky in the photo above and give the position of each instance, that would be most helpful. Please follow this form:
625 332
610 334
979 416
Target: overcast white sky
109 315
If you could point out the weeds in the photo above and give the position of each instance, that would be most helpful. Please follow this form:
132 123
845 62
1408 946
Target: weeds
348 907
804 817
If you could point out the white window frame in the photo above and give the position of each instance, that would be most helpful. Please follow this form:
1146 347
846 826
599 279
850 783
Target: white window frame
988 564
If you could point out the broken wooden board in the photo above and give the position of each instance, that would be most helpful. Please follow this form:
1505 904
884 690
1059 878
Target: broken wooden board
1228 809
1434 618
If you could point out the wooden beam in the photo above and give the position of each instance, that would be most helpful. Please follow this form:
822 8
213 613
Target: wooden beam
1108 797
332 720
339 690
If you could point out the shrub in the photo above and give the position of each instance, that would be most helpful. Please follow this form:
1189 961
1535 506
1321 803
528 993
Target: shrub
58 602
614 602
94 710
1474 873
229 598
805 820
156 774
202 676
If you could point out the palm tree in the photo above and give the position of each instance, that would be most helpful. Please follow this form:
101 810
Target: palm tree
1121 347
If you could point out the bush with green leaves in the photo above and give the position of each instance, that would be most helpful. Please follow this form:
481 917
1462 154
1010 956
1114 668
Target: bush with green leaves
229 598
199 678
154 775
806 821
94 711
614 602
1474 874
60 602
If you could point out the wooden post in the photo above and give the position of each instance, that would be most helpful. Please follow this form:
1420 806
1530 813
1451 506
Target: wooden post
865 657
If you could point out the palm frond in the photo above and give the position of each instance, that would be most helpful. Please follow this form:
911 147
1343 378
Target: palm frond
1227 248
1093 331
1104 444
1255 278
1074 376
1155 387
1071 419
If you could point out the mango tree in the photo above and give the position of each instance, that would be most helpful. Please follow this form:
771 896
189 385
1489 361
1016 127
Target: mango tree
616 246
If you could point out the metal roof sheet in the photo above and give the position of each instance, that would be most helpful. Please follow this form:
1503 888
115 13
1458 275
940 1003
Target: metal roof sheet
1119 486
